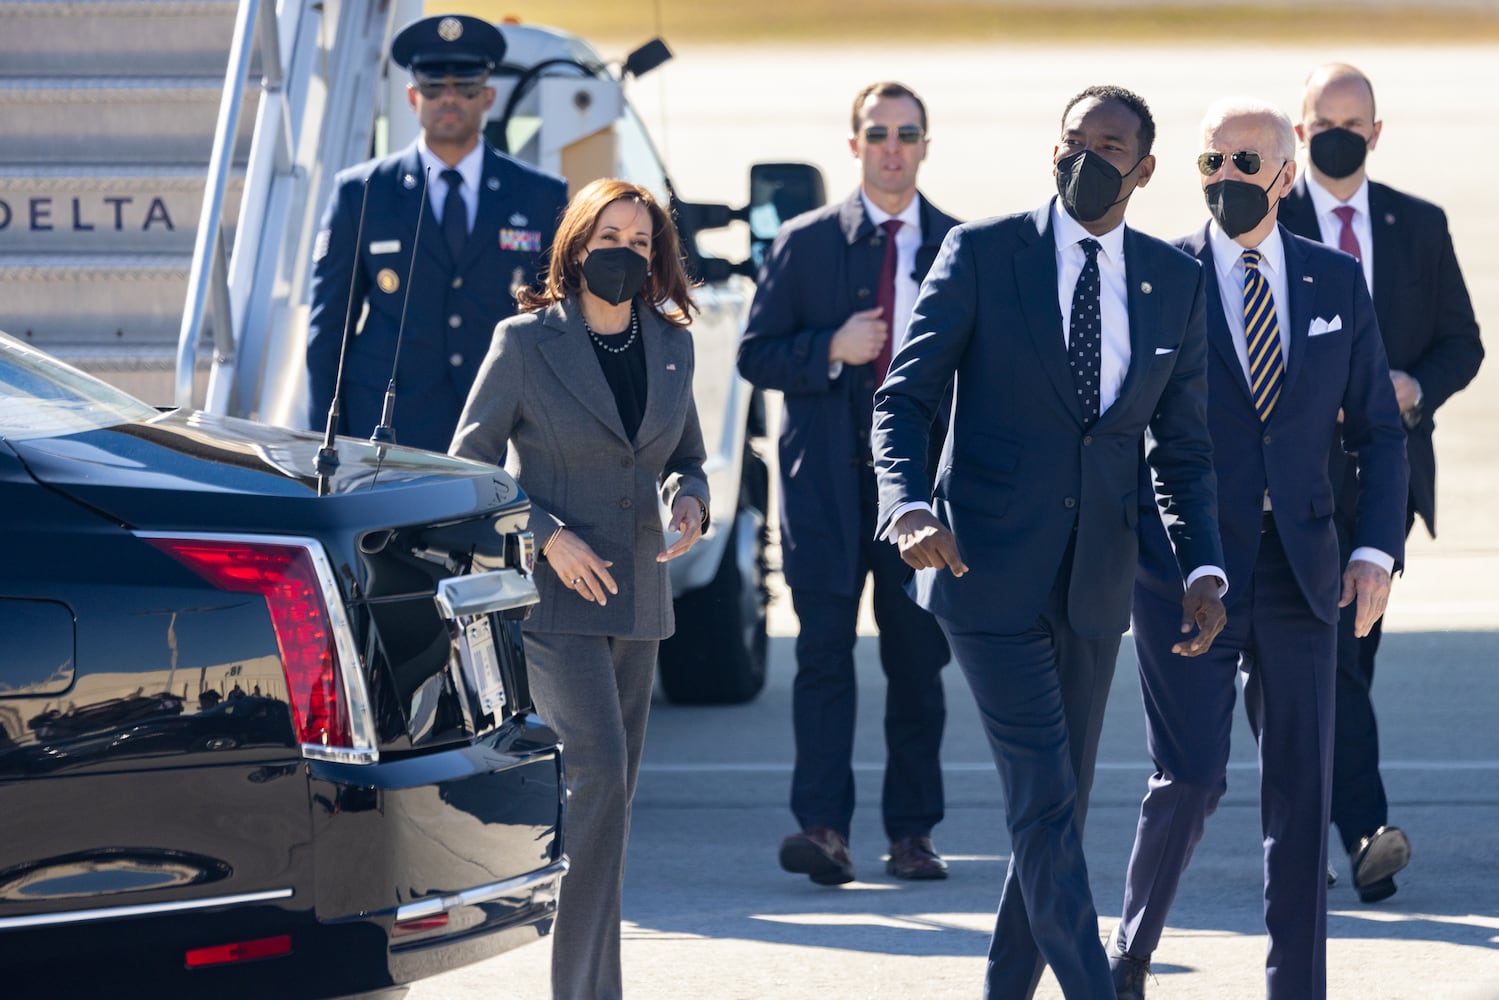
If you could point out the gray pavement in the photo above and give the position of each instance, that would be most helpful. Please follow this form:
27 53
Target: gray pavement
708 912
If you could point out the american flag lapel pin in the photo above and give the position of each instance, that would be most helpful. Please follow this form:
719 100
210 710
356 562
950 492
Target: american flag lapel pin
671 367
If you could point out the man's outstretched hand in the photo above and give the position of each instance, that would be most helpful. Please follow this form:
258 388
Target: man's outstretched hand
925 542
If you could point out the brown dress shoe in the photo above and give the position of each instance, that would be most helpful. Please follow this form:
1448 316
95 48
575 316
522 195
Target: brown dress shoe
820 853
914 857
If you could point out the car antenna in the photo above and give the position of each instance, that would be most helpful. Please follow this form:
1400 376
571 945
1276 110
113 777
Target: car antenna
327 456
384 432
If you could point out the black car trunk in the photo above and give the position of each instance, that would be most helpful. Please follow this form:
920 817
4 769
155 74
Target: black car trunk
393 522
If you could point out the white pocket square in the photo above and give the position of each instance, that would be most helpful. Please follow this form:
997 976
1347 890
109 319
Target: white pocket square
1165 350
1321 326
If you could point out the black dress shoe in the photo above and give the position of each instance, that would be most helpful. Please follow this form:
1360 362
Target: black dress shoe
1379 856
914 858
820 853
1129 973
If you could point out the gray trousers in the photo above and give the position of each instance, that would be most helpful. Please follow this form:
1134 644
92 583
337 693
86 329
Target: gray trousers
595 691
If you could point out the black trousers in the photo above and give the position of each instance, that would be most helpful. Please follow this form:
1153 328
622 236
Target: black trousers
825 697
1359 806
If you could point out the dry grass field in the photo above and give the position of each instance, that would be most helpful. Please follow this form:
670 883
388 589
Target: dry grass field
861 21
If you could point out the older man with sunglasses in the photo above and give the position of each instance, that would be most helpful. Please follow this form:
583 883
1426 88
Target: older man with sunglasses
485 220
1295 368
834 296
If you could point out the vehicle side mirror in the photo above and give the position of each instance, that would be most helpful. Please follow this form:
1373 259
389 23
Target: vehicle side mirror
646 58
779 191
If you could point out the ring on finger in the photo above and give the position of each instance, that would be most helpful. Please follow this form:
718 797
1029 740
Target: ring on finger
576 580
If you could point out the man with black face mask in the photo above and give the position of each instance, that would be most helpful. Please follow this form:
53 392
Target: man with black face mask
1293 342
1063 334
1426 320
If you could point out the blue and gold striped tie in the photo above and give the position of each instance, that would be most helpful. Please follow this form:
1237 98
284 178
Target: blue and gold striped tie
1262 337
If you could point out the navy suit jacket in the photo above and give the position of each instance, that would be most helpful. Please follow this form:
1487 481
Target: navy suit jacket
453 305
1424 312
1343 368
1019 470
823 267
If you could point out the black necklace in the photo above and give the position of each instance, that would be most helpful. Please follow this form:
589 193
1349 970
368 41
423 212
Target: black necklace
630 342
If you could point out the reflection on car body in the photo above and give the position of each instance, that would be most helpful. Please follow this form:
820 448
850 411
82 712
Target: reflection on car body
239 748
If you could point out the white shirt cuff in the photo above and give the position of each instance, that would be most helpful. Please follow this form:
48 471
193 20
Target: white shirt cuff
835 368
1368 554
1203 571
903 509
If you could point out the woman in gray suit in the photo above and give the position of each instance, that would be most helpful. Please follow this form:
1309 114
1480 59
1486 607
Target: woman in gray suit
590 390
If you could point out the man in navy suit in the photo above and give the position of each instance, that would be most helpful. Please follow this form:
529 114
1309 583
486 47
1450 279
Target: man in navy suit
1293 343
1429 332
1064 335
486 219
833 296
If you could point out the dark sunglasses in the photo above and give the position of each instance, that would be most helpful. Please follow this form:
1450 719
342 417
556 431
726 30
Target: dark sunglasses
1247 161
466 89
909 135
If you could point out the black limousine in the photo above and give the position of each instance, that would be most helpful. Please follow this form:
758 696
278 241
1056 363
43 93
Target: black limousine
264 722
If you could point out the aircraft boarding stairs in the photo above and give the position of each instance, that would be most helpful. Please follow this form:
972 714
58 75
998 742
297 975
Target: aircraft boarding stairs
161 178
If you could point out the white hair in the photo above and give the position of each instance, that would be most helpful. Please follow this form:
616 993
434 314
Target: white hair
1237 107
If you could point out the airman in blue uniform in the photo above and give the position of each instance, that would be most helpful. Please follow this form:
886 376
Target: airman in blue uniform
485 222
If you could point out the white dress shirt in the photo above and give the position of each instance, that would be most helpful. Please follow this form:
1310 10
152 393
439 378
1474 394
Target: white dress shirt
1113 302
1332 226
1228 261
471 167
907 240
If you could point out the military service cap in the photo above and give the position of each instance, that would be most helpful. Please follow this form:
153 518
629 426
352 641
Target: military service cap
449 45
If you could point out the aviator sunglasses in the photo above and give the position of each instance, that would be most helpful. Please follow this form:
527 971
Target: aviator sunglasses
467 89
909 135
1246 160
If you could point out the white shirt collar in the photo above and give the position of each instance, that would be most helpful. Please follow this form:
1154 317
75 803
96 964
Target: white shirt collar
1227 251
1324 202
471 167
1068 232
910 215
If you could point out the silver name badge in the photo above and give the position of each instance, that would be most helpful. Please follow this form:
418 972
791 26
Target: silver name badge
385 246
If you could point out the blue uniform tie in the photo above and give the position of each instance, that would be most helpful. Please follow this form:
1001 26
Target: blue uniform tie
454 214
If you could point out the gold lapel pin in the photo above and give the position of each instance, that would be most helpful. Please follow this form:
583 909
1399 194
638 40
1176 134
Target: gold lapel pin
1145 287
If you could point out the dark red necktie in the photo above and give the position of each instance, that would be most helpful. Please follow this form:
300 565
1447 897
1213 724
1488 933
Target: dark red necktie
1347 239
885 299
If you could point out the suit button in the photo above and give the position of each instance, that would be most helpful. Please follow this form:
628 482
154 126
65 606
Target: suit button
1087 439
626 462
626 503
455 321
458 282
1267 439
1069 503
456 360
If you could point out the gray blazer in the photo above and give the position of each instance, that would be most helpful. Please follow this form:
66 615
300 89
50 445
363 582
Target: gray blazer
541 392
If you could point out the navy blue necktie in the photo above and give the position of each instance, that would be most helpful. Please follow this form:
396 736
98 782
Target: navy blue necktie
454 214
1085 333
